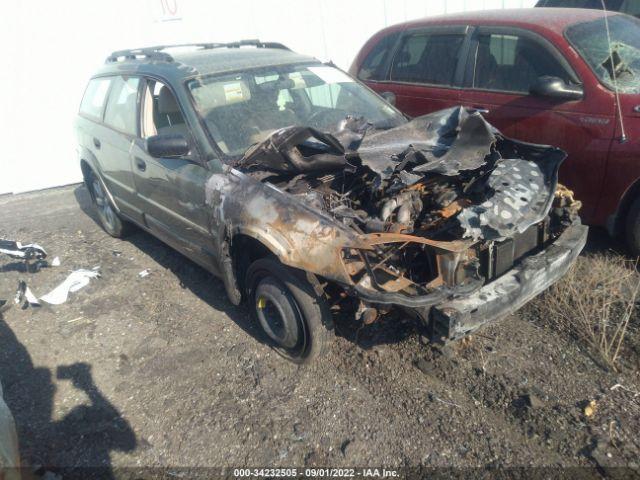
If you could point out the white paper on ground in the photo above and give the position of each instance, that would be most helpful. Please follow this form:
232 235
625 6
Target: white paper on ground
55 262
74 282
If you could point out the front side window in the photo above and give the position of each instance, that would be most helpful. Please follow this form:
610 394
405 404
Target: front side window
121 112
161 114
94 97
373 66
620 60
427 58
244 108
513 63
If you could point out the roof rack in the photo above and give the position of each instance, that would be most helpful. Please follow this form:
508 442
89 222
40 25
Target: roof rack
157 53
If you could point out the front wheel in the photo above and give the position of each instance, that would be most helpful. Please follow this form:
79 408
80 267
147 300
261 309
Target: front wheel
292 316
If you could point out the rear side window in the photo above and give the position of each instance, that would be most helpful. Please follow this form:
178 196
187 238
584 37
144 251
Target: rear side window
121 112
94 97
427 58
513 63
374 65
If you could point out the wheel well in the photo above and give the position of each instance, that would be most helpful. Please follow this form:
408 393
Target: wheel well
86 170
244 251
633 192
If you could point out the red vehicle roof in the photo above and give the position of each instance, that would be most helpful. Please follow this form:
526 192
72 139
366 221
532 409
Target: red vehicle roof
539 19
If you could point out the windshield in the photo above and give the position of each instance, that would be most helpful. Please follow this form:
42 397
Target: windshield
630 7
241 109
590 40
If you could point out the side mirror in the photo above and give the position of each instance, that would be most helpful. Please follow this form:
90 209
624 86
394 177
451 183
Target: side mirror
556 88
162 146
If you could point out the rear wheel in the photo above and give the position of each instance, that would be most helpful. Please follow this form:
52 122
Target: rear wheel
107 214
292 316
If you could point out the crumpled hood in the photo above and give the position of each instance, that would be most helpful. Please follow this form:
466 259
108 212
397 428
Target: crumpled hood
508 185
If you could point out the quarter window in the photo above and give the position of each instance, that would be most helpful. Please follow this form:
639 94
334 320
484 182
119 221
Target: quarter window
513 63
373 66
121 112
427 58
94 97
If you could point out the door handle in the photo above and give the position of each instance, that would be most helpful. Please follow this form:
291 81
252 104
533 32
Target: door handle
141 164
96 142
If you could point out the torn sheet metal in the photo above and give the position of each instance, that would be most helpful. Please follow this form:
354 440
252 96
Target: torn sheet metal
74 282
296 150
521 197
445 142
31 251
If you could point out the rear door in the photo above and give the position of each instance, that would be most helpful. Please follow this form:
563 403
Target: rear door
504 64
171 190
426 71
115 139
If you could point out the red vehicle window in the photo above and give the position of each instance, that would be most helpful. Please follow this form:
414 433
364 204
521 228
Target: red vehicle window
374 66
511 63
427 58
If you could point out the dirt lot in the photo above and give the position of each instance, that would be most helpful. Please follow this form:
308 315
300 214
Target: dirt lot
163 371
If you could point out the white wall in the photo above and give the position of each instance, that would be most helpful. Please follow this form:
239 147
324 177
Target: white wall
53 46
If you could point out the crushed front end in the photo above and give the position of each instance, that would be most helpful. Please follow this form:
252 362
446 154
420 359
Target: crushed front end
448 219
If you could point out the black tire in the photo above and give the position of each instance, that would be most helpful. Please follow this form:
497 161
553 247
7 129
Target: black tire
632 228
295 320
107 213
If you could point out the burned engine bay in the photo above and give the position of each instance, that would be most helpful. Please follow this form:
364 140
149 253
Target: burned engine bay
432 200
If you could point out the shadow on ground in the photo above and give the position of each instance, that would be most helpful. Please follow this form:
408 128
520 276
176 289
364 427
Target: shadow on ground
600 241
82 440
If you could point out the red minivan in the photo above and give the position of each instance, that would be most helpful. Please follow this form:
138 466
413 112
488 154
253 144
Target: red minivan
543 75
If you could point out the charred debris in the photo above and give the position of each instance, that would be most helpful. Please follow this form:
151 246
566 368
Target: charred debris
430 198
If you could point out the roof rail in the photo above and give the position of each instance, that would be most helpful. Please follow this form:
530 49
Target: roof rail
157 53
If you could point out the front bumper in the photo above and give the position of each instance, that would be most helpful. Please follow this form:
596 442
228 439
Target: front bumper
456 318
453 312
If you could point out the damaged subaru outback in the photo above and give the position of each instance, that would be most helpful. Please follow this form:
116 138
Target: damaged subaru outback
307 194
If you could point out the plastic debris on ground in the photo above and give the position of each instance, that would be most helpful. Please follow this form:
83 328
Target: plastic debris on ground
24 296
74 282
55 262
31 251
144 273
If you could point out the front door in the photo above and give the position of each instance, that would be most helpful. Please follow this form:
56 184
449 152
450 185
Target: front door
426 70
504 64
171 190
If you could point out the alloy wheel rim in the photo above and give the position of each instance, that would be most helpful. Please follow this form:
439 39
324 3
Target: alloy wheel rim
102 202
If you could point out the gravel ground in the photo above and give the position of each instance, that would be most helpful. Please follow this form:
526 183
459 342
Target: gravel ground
163 371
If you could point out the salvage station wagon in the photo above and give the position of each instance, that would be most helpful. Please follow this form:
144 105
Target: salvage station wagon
543 75
306 193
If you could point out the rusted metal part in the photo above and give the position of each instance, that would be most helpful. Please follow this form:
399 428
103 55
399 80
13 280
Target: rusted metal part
396 217
372 239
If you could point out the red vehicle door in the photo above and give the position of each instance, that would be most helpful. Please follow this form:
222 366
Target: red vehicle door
505 63
426 71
